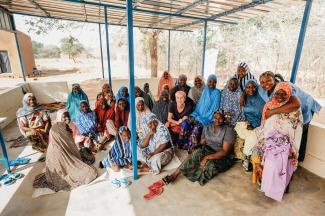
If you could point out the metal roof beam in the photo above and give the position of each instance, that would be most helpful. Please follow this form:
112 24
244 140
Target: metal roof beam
93 22
183 10
38 6
146 11
242 7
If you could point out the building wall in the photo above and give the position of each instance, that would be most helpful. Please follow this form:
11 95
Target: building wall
8 43
26 50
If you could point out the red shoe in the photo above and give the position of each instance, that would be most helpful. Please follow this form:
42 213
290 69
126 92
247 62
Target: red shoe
157 184
153 193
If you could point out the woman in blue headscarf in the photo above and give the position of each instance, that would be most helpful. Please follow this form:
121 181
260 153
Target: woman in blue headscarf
253 108
123 92
230 102
202 115
75 97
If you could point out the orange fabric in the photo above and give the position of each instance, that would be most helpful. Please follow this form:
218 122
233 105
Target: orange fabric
273 103
257 173
162 81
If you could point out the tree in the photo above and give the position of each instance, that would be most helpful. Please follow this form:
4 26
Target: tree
50 51
37 48
45 25
71 47
151 37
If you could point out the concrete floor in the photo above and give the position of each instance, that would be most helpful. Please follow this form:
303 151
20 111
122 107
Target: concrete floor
230 193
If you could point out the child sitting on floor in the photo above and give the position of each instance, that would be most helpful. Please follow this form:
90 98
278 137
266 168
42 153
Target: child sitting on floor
119 156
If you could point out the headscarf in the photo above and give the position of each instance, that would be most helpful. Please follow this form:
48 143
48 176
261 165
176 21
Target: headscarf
162 81
75 132
149 93
253 106
248 76
208 104
64 167
74 101
161 136
230 102
273 103
86 122
139 115
160 108
100 97
26 109
103 115
121 152
121 116
186 88
119 94
146 98
195 93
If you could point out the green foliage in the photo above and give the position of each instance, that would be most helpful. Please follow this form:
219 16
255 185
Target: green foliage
45 25
50 51
37 48
71 47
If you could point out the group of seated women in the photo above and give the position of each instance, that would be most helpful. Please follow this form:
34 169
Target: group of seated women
271 117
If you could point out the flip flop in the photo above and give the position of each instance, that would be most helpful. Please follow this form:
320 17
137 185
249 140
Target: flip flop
153 193
9 181
157 184
124 182
16 176
19 161
116 183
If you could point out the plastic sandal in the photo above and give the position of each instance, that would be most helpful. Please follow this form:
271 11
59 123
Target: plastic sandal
153 193
16 176
124 182
116 183
4 176
19 161
157 184
9 181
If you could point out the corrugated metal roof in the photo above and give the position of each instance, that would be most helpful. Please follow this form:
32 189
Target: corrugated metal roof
166 14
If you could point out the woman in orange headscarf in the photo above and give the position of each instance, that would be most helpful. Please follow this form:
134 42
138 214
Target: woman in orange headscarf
166 79
281 136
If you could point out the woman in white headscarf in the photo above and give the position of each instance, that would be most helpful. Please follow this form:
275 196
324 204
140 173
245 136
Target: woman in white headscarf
34 122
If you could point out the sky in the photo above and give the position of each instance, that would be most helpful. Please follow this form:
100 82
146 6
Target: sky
87 33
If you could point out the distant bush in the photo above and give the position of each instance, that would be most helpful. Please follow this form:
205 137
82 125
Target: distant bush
50 51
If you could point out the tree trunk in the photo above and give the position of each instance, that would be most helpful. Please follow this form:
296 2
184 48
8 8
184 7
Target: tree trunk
153 41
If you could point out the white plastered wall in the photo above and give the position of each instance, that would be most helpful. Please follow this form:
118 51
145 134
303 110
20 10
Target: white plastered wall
315 153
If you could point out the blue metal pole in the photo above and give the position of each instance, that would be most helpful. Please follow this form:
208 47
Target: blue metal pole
168 50
107 49
4 152
204 47
132 92
301 38
101 49
19 53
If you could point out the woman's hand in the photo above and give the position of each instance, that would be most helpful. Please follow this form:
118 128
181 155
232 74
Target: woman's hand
150 155
268 114
203 162
34 131
242 100
167 124
180 121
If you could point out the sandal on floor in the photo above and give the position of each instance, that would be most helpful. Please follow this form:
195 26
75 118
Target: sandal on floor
116 183
153 193
124 182
9 181
167 179
16 176
19 161
157 184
